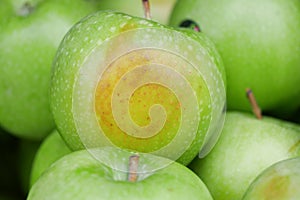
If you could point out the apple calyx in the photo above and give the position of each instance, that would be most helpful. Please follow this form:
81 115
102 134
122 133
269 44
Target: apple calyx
133 168
26 9
146 6
255 108
190 24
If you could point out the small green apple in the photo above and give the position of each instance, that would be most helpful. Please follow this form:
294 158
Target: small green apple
52 148
79 175
279 181
132 83
259 43
30 34
160 9
245 148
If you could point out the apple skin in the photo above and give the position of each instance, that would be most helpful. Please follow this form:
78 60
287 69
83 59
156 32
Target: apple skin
28 45
52 148
279 181
80 176
160 9
6 11
259 47
74 104
245 148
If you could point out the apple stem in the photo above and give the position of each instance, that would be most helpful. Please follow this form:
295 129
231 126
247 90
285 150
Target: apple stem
133 167
255 108
146 6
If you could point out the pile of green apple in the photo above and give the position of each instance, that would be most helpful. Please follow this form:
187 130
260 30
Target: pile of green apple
99 102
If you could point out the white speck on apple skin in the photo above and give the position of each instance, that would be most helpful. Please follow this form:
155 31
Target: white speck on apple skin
144 22
99 42
109 15
99 28
113 29
127 17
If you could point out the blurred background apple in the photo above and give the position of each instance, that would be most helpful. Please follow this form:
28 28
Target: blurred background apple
245 148
30 34
259 43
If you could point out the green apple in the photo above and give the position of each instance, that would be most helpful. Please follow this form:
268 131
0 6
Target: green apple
160 9
52 148
79 175
279 181
29 38
259 44
245 148
135 84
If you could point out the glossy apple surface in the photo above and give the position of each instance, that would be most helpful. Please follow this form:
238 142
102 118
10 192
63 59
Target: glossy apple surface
30 34
259 44
139 85
79 176
245 148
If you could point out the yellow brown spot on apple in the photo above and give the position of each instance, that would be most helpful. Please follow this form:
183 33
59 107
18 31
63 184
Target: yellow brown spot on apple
140 103
128 26
276 188
294 147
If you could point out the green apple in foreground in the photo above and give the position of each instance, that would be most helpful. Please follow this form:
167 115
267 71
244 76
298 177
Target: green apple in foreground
80 176
52 148
30 34
132 83
160 9
245 148
277 182
259 43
